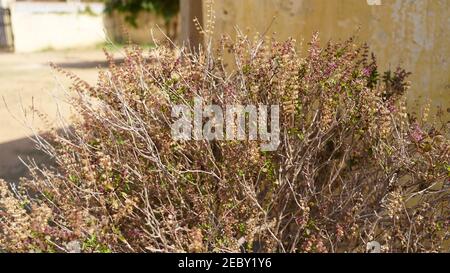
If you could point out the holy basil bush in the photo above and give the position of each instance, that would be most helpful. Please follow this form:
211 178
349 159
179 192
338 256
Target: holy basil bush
352 166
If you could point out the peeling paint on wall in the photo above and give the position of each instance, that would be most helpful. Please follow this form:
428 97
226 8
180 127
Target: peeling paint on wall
410 33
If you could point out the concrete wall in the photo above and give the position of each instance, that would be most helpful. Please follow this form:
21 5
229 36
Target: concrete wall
411 33
5 3
43 25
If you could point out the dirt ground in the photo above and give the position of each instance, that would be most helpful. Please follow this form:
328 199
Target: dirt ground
26 80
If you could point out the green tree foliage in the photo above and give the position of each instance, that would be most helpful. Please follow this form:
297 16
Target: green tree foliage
131 8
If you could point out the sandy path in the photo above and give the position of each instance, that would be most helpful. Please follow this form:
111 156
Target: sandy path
26 80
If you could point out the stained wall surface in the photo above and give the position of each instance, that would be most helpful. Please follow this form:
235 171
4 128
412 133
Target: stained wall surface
410 33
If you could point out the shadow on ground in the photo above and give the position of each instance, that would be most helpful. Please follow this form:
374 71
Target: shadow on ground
11 167
88 64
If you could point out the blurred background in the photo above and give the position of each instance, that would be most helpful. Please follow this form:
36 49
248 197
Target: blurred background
72 34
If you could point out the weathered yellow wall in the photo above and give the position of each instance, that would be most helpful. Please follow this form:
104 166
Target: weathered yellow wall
412 33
